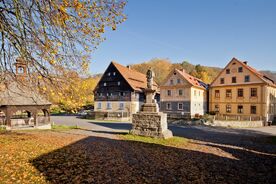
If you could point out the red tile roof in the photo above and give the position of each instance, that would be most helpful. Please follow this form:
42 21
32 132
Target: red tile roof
136 80
191 79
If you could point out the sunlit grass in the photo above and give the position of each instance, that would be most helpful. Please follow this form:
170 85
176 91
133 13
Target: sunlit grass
64 127
174 141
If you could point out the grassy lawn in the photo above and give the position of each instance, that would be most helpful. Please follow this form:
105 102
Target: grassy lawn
174 141
64 127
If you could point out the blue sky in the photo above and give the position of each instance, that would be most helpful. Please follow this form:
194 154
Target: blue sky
199 31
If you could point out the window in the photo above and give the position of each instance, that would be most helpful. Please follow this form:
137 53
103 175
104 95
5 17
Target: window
253 109
121 93
114 73
99 105
228 108
180 92
247 78
216 108
222 80
180 106
121 105
104 83
198 93
217 93
20 70
240 69
253 92
168 106
240 92
171 82
234 79
169 92
109 74
119 83
194 92
228 93
178 81
108 105
227 71
240 109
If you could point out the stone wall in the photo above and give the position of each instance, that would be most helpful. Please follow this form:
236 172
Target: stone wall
238 124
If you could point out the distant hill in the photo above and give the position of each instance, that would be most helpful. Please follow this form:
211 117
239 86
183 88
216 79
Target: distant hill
162 67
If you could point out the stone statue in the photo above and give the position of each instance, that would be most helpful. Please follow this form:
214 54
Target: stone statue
150 75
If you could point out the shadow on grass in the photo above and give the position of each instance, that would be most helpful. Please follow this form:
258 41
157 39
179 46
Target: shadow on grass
103 160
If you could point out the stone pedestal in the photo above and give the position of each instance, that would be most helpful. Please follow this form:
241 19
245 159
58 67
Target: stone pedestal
151 125
149 121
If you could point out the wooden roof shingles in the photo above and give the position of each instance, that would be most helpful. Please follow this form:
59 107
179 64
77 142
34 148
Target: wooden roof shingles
16 94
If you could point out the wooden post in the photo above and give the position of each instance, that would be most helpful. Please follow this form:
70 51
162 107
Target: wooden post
8 117
35 118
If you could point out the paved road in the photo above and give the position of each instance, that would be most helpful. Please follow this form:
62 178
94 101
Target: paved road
194 132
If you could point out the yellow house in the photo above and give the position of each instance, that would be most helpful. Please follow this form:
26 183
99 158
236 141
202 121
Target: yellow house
241 91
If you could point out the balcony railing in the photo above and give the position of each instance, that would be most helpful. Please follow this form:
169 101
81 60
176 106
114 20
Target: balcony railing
112 98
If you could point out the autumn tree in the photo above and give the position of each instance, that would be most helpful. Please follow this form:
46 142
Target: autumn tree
161 68
53 34
74 91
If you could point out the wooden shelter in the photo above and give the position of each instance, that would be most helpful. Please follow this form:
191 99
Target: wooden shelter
16 97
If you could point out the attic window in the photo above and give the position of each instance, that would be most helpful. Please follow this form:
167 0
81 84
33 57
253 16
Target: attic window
109 74
174 73
227 71
114 73
233 63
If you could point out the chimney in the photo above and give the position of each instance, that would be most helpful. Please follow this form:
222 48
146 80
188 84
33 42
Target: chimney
245 62
128 66
183 70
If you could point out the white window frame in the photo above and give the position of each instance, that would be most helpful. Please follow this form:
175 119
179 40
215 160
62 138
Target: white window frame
121 105
99 105
178 106
108 105
179 92
167 105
